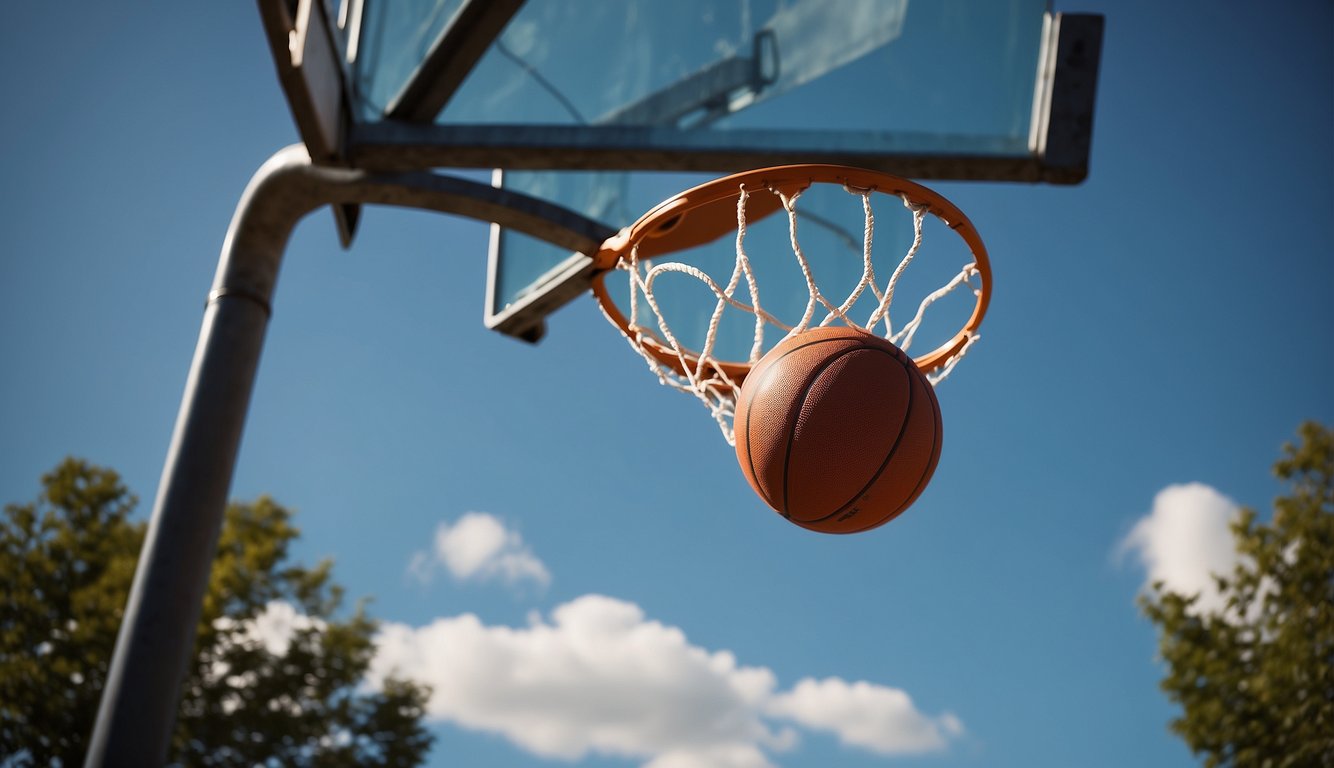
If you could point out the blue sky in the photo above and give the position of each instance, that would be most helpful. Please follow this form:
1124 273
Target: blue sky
1162 325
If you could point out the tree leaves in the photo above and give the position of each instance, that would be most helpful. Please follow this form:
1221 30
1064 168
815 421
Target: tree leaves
1256 680
68 559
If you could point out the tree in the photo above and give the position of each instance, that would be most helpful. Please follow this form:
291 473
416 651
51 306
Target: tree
250 697
1256 680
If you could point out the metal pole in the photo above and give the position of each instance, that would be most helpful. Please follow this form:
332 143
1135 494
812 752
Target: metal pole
157 633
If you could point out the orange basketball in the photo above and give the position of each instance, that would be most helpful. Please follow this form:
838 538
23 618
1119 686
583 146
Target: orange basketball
837 430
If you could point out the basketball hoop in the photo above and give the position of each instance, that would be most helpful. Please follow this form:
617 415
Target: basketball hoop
680 226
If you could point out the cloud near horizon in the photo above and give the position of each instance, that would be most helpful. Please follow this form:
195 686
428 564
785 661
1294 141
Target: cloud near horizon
1185 540
873 717
600 677
478 547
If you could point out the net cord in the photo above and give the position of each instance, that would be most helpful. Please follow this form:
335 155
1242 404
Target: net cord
701 375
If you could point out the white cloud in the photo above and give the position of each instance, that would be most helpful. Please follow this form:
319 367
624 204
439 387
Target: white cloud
873 717
1185 539
722 756
478 547
599 677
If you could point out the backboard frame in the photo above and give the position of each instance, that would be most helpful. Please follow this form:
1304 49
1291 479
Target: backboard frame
313 57
1059 142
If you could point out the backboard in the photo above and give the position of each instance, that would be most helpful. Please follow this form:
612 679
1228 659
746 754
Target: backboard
606 108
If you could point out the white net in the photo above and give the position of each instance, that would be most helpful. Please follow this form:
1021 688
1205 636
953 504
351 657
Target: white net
694 367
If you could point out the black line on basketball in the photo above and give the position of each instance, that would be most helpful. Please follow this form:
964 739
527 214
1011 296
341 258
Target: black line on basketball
750 404
924 479
903 429
921 481
801 400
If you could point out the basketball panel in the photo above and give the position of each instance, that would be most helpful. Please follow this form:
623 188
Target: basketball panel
769 405
850 419
906 474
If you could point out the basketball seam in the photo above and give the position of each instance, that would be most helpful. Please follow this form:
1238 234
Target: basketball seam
801 400
898 439
921 481
750 460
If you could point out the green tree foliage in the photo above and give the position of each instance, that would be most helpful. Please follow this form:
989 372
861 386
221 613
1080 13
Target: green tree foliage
66 563
1256 680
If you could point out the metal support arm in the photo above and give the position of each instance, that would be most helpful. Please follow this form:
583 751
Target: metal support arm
156 640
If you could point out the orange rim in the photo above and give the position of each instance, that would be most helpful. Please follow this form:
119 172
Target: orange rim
697 216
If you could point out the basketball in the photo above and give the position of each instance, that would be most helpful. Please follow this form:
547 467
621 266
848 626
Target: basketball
837 430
